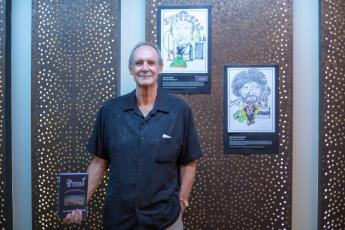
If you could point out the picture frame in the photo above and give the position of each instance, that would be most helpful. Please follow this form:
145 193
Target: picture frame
251 108
184 39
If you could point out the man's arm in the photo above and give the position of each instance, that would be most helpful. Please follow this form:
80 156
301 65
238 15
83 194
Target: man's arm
187 173
96 171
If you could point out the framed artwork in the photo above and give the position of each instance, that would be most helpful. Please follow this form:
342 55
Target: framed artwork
185 42
251 109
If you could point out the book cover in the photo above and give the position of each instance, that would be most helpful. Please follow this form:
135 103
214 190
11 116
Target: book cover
72 193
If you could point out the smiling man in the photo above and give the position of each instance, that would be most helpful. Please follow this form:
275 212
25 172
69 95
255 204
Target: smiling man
148 141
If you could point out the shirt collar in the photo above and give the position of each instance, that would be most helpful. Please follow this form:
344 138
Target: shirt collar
130 102
161 103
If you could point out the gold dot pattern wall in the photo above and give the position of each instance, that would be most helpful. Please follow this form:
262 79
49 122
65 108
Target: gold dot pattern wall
240 191
75 53
332 119
5 159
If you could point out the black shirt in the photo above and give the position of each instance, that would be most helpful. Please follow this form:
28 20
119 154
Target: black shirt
144 156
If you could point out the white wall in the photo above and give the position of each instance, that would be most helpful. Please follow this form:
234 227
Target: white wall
21 113
305 115
132 32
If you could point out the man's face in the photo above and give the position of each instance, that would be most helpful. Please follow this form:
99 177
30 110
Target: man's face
146 67
251 92
182 32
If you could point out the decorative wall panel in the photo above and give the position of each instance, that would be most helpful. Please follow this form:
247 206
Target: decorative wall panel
5 123
75 53
332 119
241 191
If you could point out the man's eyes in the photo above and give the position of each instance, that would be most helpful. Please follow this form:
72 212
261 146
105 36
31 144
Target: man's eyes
139 63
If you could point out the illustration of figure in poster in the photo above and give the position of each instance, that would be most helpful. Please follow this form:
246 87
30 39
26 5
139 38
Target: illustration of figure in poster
184 40
250 101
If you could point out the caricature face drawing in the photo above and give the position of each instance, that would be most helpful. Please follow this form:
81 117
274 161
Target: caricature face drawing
182 32
249 86
251 92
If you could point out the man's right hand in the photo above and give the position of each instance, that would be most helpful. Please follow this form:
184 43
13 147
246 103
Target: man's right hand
75 217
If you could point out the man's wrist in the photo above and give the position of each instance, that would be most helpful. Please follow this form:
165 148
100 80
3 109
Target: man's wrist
184 202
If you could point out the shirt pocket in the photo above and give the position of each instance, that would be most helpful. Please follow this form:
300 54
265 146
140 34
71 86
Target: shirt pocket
167 151
165 172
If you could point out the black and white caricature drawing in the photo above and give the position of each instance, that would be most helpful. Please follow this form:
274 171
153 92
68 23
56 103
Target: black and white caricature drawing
250 99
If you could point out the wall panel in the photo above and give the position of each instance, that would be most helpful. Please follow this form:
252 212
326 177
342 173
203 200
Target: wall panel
332 121
241 191
5 123
75 67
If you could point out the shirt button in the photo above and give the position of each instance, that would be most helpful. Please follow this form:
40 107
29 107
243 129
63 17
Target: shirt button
142 138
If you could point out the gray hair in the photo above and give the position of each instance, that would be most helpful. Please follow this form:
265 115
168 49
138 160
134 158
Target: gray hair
131 57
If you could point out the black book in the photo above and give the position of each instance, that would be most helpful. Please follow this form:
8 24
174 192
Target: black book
72 193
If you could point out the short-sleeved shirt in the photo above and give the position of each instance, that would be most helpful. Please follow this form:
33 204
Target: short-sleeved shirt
144 155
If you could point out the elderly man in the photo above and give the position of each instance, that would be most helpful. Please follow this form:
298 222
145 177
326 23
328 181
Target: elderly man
148 141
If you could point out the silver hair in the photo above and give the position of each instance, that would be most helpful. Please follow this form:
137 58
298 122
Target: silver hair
131 57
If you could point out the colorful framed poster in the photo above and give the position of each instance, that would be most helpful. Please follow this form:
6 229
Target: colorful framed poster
251 109
184 38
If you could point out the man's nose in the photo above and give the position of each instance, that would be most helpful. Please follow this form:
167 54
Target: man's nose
145 67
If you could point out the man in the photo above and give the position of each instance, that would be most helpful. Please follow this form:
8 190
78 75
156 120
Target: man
148 141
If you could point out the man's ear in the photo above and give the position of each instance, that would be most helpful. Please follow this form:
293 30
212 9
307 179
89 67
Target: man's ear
130 69
160 68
